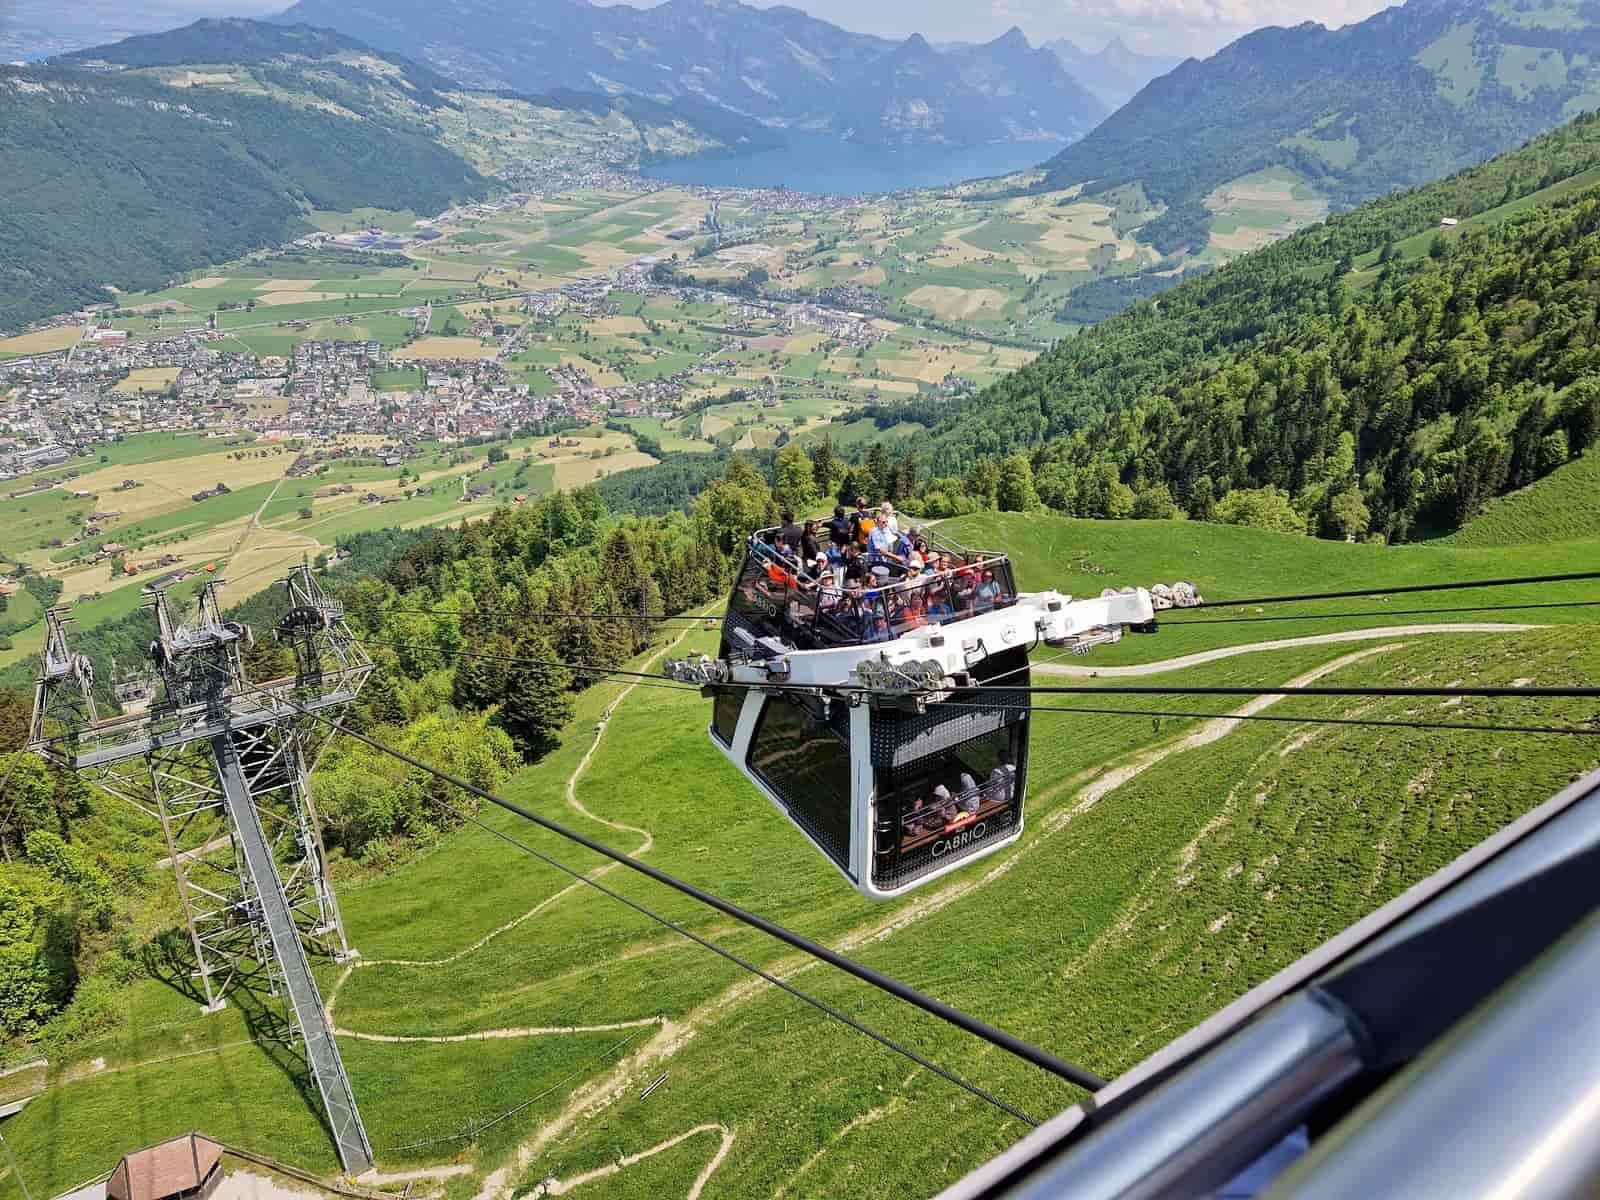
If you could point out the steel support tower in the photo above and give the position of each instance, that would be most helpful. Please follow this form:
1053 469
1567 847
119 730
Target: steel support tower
222 764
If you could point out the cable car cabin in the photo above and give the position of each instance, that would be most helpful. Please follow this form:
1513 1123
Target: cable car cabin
890 722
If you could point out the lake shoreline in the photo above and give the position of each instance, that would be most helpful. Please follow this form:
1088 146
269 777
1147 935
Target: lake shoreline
826 164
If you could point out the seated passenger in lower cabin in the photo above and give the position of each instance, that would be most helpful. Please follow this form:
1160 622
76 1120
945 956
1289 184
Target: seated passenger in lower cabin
969 793
939 607
1003 783
943 803
874 622
913 610
913 821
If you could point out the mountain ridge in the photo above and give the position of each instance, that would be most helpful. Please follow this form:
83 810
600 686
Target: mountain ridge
778 65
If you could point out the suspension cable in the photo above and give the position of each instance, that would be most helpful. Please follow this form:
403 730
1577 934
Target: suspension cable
1362 593
1365 722
1026 1051
666 922
1499 692
1168 622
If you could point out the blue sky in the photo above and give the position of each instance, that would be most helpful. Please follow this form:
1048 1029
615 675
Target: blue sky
1180 27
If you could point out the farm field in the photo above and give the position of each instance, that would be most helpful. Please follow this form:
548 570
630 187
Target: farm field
42 342
1167 866
256 533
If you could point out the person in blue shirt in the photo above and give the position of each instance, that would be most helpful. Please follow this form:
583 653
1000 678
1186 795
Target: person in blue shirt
881 548
988 593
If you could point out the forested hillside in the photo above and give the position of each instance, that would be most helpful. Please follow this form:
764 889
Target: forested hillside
102 174
1404 97
1395 399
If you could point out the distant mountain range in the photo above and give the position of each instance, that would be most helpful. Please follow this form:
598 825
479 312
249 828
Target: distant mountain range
1116 74
775 65
1407 96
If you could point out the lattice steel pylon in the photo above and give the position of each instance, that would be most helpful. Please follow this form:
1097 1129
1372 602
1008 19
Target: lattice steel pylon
214 748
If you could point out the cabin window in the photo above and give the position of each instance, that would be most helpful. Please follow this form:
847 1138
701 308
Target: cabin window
940 809
808 766
725 714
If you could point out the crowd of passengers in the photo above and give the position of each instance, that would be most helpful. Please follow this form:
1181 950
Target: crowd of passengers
946 811
855 560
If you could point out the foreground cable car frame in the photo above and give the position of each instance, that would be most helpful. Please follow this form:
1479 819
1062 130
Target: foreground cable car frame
890 724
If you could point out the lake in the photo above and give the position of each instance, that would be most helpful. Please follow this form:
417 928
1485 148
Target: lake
821 162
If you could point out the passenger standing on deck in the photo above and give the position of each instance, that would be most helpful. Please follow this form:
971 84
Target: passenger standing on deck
881 549
810 544
861 523
839 536
790 534
887 517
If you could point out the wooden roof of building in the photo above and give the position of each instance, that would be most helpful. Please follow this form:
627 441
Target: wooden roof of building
168 1169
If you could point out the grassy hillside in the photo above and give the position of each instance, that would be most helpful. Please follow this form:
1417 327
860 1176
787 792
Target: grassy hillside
1232 562
1126 914
1562 506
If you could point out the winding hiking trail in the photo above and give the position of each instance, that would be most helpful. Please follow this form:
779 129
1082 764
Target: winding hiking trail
560 1187
1320 639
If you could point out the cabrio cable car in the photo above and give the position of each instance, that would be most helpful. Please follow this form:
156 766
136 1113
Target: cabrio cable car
889 722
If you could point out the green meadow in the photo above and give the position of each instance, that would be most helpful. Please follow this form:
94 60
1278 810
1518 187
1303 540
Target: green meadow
1127 912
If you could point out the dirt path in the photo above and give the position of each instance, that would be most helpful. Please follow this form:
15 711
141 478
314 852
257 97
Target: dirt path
1321 639
560 1187
490 1035
1109 781
572 799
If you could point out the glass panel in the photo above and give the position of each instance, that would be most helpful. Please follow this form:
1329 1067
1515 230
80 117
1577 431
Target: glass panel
725 714
802 760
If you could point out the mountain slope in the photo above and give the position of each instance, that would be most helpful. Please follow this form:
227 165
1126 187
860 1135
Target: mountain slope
776 65
1003 90
114 177
1398 396
1116 74
1406 96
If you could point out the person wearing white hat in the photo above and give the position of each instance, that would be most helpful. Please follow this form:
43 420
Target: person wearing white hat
943 803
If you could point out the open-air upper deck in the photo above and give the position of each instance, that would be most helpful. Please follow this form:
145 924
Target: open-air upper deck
777 596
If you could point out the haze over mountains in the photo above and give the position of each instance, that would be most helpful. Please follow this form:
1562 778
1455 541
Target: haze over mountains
776 65
1116 73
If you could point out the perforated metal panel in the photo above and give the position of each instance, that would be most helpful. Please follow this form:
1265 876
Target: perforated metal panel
911 752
